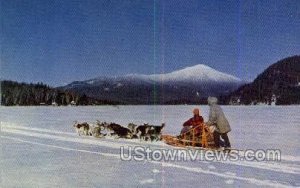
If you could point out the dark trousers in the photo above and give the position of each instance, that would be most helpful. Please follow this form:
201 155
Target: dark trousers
218 141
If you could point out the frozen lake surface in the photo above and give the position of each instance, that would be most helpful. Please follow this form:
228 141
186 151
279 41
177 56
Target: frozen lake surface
39 148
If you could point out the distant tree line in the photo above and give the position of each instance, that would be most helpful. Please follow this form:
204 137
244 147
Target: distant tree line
23 94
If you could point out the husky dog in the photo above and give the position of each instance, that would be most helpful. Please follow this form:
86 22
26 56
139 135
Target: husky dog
142 132
132 127
118 130
101 125
95 130
155 132
148 132
82 128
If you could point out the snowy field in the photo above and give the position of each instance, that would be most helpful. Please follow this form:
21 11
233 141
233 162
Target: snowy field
39 148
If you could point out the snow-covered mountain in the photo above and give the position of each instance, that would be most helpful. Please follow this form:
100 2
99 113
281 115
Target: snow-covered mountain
198 74
197 81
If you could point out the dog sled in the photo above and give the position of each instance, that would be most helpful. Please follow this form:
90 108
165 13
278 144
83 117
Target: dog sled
192 139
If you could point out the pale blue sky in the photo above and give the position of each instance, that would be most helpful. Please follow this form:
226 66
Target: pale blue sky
59 41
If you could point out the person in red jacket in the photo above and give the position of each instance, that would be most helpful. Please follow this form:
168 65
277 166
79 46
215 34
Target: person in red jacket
193 122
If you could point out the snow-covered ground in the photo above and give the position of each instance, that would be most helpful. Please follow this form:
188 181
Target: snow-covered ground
39 148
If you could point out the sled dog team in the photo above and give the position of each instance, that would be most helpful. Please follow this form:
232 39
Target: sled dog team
100 129
217 123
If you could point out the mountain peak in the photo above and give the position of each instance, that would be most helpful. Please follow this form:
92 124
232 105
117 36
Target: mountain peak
198 66
197 73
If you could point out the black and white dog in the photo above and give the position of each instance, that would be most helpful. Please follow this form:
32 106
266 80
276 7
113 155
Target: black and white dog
118 130
82 128
146 132
88 129
155 132
142 132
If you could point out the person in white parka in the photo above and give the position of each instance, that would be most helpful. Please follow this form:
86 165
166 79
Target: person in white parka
218 123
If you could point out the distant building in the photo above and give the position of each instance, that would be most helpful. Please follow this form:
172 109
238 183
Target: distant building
273 100
235 100
73 103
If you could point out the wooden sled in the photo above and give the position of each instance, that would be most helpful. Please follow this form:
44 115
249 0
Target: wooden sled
191 139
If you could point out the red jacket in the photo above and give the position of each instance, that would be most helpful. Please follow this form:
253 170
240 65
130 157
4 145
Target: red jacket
194 122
